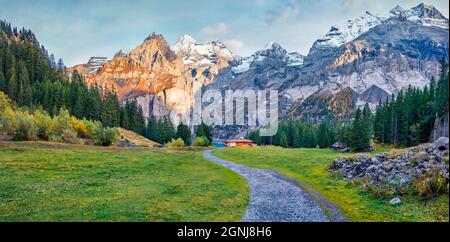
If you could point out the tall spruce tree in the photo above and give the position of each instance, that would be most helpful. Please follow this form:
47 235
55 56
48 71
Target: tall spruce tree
184 133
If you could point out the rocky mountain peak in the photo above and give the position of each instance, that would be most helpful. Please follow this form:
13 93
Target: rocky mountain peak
153 36
272 49
185 44
338 35
428 11
196 54
397 10
341 34
424 14
154 48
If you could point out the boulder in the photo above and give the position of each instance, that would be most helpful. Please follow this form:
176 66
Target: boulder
395 201
421 156
441 143
388 167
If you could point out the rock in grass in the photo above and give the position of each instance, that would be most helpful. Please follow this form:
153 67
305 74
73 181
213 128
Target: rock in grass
396 201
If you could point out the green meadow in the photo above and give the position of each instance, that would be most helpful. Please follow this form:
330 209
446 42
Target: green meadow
56 182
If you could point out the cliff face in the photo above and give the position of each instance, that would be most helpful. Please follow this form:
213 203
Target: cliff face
162 79
441 127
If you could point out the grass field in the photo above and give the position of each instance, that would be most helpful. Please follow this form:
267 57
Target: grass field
55 182
310 166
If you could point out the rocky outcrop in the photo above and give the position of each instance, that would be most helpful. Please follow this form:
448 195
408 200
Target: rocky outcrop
441 127
398 168
89 69
163 79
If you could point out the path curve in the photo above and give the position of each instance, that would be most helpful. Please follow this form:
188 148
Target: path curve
275 198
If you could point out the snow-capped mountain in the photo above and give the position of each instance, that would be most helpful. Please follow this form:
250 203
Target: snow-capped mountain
195 54
341 34
273 52
426 15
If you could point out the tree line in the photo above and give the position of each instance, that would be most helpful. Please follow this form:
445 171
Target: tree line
21 124
408 118
300 134
163 131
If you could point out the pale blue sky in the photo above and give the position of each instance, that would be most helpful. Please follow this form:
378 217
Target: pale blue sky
77 29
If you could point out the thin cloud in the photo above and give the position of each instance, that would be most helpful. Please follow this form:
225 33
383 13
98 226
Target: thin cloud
219 29
234 44
283 14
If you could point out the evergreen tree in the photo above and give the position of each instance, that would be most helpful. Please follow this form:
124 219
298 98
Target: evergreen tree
324 136
284 140
124 121
2 82
140 121
442 94
204 130
184 133
12 84
359 141
367 126
296 143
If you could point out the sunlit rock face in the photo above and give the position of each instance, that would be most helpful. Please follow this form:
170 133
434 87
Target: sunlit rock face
163 79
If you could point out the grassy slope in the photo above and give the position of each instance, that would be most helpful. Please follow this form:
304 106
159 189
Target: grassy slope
49 182
310 166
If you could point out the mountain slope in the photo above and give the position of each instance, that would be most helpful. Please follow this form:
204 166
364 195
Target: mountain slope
163 79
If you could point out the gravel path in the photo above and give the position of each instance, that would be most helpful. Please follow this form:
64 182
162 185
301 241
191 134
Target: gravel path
273 197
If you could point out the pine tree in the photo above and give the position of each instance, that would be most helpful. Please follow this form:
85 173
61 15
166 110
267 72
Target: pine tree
140 121
60 66
357 142
367 126
296 143
442 92
205 131
184 133
2 82
12 84
324 136
124 121
284 140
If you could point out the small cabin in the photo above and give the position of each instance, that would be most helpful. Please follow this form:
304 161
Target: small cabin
239 143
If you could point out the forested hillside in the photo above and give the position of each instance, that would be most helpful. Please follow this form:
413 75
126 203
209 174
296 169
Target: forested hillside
31 78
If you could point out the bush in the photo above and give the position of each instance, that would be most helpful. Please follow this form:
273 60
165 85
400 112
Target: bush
92 128
70 136
80 128
379 190
56 138
44 124
62 121
201 142
176 143
8 122
61 128
26 127
107 136
431 185
5 104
